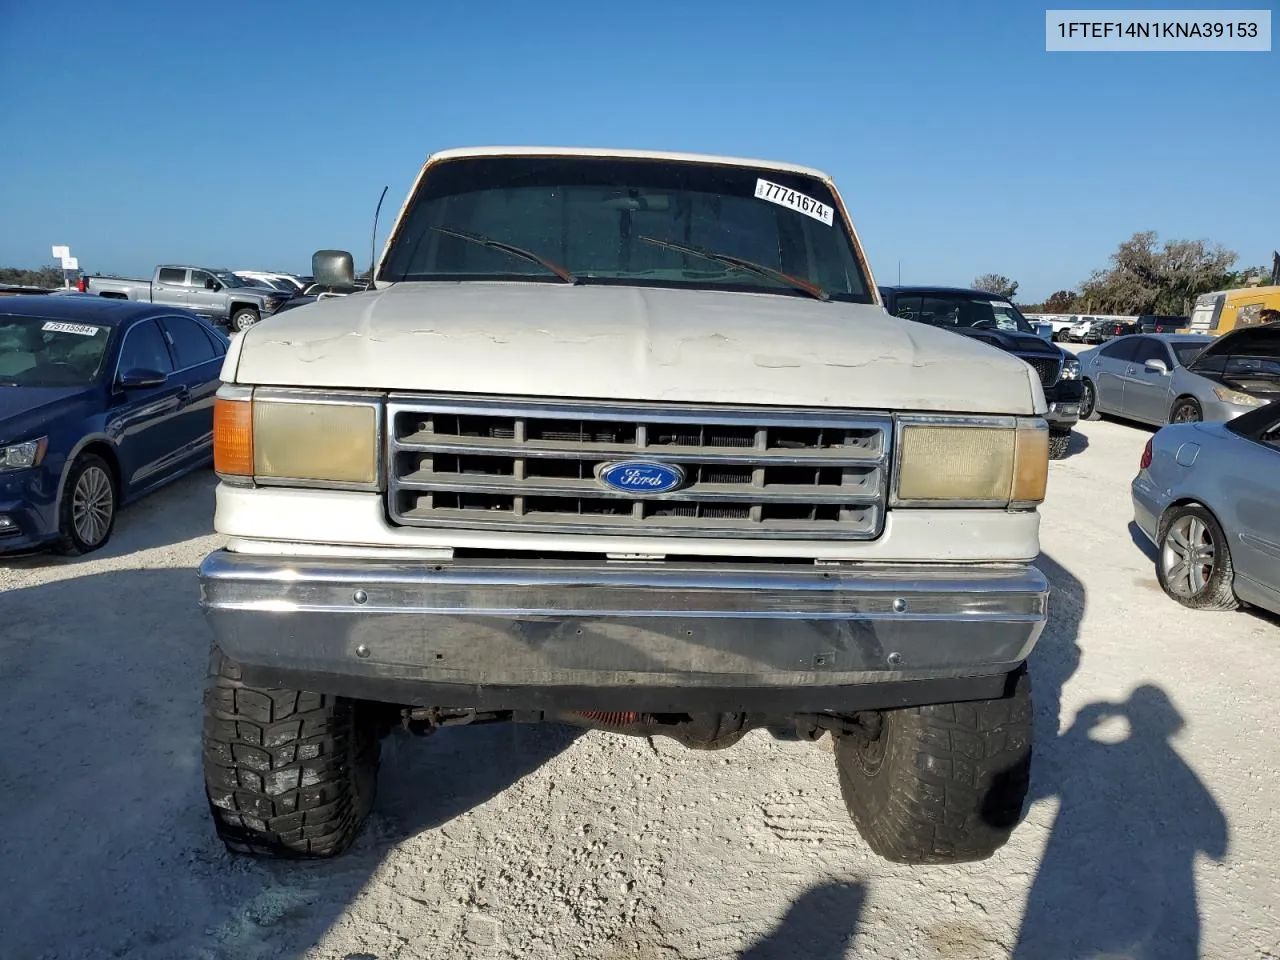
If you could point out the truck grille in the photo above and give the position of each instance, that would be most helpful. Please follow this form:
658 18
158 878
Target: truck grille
1047 368
531 465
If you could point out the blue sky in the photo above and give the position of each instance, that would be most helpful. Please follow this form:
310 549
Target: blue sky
248 135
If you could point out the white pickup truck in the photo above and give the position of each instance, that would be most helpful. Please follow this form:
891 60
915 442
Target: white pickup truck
625 440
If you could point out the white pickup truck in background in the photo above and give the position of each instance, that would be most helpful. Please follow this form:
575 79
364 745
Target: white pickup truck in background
218 295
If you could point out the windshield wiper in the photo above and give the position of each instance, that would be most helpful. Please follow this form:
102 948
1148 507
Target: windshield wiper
515 251
759 269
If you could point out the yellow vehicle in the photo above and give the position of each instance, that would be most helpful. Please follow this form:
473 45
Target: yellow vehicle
1225 310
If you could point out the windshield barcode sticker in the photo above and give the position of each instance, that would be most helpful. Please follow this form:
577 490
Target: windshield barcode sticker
79 329
794 200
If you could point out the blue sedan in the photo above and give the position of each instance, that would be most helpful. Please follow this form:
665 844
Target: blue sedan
101 401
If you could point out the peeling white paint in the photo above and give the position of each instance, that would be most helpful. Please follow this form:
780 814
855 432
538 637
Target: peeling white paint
632 343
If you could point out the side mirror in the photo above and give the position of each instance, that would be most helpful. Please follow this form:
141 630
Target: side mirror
140 379
1157 366
210 284
333 268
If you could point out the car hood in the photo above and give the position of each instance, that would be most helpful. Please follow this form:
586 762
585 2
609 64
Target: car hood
1263 341
26 412
631 343
1012 341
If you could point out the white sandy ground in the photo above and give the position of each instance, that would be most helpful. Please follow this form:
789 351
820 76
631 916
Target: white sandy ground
1156 808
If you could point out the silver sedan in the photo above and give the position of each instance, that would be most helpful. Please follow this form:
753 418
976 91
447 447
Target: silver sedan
1206 495
1180 378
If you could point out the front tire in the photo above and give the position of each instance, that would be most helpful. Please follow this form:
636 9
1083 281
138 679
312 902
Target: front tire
1194 566
243 319
1059 442
1089 401
288 774
1186 410
942 783
87 513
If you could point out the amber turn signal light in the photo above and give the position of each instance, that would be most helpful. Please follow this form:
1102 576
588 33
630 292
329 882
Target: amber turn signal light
233 437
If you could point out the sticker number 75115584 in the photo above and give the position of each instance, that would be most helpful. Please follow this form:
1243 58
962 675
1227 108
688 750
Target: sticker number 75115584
786 197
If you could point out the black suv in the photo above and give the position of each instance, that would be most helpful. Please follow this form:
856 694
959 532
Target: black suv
1152 323
995 320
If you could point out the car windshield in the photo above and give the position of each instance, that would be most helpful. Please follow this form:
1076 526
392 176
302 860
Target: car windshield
975 312
39 352
229 279
627 221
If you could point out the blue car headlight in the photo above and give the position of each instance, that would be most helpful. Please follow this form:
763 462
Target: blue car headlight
1070 369
20 456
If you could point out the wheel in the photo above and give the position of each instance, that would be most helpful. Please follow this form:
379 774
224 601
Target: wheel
87 512
1186 410
244 318
1059 441
942 783
288 774
1194 566
1089 401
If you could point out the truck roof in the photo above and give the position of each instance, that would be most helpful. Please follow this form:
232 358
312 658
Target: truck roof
462 152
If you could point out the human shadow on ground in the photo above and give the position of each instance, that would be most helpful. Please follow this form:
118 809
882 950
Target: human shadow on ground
1117 876
106 843
820 925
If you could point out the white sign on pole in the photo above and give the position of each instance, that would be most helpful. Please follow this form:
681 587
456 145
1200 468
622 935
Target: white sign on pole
61 253
70 263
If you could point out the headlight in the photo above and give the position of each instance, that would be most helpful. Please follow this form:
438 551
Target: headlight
20 456
1070 368
1227 395
276 436
966 463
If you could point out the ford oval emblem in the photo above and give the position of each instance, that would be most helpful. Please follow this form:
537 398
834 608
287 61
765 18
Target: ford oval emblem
640 476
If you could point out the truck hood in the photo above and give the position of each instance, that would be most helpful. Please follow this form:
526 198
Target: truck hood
632 343
1261 341
1014 341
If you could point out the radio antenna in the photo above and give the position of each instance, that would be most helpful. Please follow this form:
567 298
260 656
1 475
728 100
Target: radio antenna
373 241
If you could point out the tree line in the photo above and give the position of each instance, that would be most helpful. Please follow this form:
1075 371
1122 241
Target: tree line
47 276
1146 276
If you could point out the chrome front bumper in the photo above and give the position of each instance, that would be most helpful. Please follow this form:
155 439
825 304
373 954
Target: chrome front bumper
651 636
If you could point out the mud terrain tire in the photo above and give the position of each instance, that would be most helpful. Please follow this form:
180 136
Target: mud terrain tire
943 783
288 774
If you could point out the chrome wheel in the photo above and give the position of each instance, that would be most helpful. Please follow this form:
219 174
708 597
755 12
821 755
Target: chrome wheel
1088 401
93 503
1187 413
245 320
1188 556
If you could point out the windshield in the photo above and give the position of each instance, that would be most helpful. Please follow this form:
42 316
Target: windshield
38 352
623 221
952 310
229 279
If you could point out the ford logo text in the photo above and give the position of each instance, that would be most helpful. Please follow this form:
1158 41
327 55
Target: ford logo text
640 476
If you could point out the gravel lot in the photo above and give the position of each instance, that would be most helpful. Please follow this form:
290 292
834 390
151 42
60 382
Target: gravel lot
1152 832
